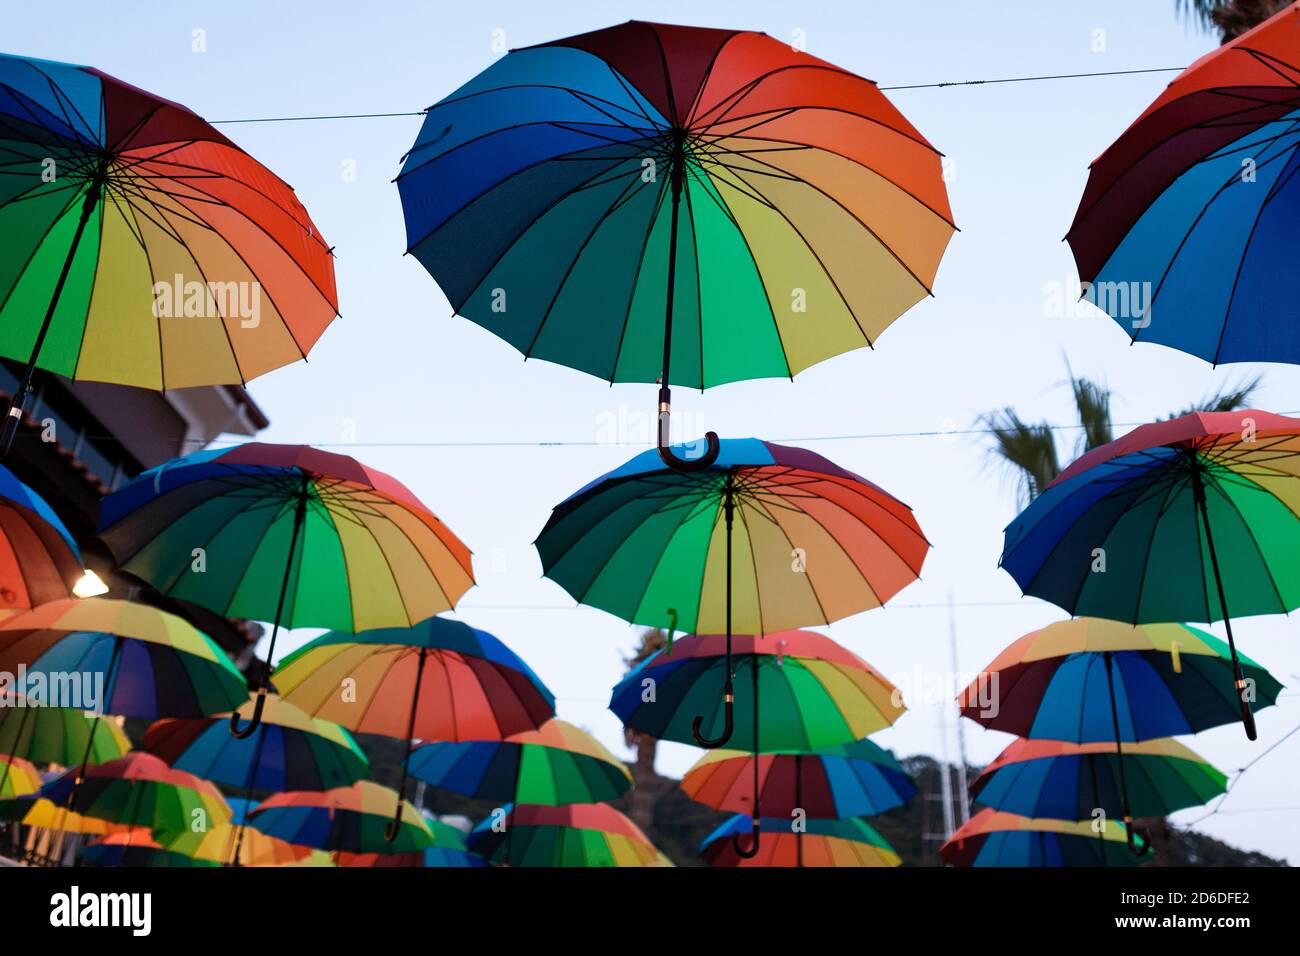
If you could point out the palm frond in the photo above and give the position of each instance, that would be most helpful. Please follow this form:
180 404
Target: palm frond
1029 451
1226 400
1093 403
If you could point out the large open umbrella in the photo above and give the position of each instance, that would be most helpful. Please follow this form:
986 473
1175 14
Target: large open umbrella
993 838
818 842
58 734
287 534
1192 519
448 850
231 842
39 560
654 545
554 764
438 680
806 692
1187 230
137 847
1070 781
670 204
831 781
142 246
576 834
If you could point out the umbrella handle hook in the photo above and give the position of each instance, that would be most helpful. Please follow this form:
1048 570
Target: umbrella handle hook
728 724
746 852
1139 839
668 455
394 826
243 733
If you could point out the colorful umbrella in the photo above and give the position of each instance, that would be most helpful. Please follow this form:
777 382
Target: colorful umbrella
39 560
142 246
993 838
362 818
138 790
137 848
449 850
228 843
1196 518
58 734
438 680
577 834
832 781
286 534
809 213
20 777
806 691
555 764
851 842
1186 232
654 545
1068 781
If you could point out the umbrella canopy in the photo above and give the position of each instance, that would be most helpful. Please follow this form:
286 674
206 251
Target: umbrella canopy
993 838
813 543
1055 684
555 764
449 850
353 819
139 790
39 560
833 781
466 684
1196 518
289 751
19 777
769 208
851 842
577 834
813 692
137 848
152 663
225 843
1067 781
145 196
32 810
1187 227
59 735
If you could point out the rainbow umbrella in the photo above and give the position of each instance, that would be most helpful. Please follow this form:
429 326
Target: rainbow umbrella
228 843
449 850
556 763
32 810
438 680
1095 681
994 838
137 790
813 542
142 246
1196 518
769 208
576 834
831 781
1069 781
806 691
59 735
39 559
850 842
137 848
20 777
362 818
1187 229
287 534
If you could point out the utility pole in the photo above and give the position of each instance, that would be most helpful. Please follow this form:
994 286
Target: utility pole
963 785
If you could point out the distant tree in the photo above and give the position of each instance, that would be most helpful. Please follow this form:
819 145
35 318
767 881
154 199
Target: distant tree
646 783
1231 18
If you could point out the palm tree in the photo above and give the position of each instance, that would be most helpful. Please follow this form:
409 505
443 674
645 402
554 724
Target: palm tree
646 783
1030 451
1231 18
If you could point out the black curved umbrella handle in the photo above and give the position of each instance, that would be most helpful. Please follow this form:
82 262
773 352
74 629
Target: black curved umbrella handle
669 456
253 724
1247 718
394 825
746 852
728 725
1139 838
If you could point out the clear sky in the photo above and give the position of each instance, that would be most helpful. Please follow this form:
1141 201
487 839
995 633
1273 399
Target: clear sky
401 372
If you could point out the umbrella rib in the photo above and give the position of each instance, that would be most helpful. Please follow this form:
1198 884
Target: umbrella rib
636 279
1250 533
54 221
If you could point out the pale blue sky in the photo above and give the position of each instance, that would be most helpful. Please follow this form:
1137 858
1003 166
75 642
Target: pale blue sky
400 369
